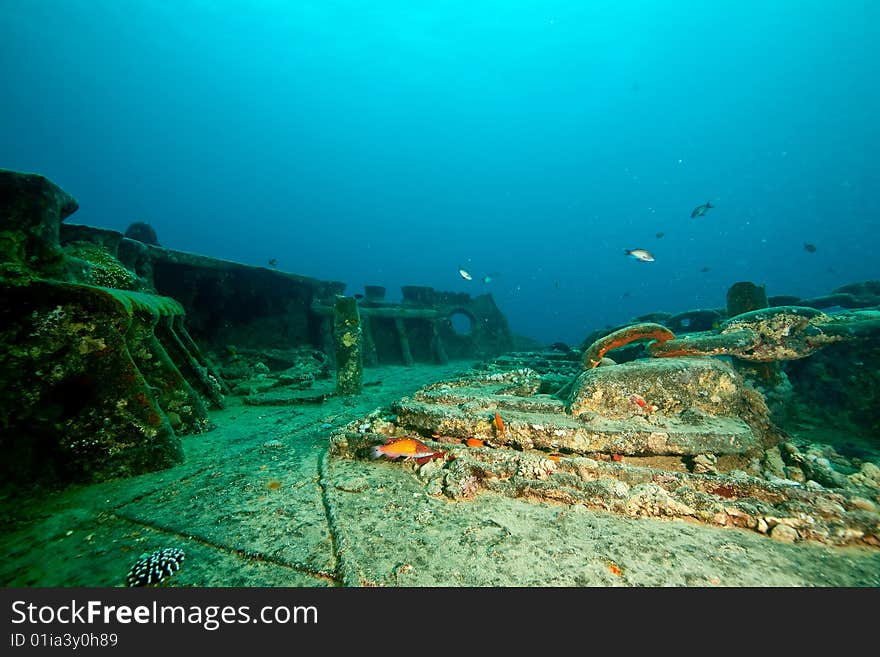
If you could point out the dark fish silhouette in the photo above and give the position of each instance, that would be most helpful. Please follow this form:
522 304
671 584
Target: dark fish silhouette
704 270
273 262
660 234
809 248
700 210
560 346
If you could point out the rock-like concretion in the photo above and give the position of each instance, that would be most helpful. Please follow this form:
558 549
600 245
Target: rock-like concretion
97 379
32 208
707 452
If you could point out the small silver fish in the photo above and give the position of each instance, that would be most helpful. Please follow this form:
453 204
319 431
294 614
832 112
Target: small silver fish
640 254
700 210
464 274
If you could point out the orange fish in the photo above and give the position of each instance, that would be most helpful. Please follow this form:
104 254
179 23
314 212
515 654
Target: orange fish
638 400
615 569
409 448
554 457
616 457
499 425
473 442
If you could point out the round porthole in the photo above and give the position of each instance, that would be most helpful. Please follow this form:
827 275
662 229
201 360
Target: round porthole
462 323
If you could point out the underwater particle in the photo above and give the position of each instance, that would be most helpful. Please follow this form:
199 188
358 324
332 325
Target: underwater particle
809 248
700 210
153 568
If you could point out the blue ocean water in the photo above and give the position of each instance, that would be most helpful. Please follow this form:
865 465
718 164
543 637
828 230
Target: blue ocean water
393 142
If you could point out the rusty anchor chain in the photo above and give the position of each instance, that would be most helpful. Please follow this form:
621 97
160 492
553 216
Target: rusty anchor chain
773 334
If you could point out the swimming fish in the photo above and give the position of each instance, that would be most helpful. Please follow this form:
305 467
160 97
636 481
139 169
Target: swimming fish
660 235
640 254
499 425
700 210
474 442
809 248
408 448
465 274
703 270
273 262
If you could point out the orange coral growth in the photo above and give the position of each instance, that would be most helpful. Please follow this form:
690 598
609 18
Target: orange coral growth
623 337
724 491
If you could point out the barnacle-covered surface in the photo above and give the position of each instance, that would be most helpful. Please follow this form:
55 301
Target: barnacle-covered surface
98 376
96 382
704 451
694 406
